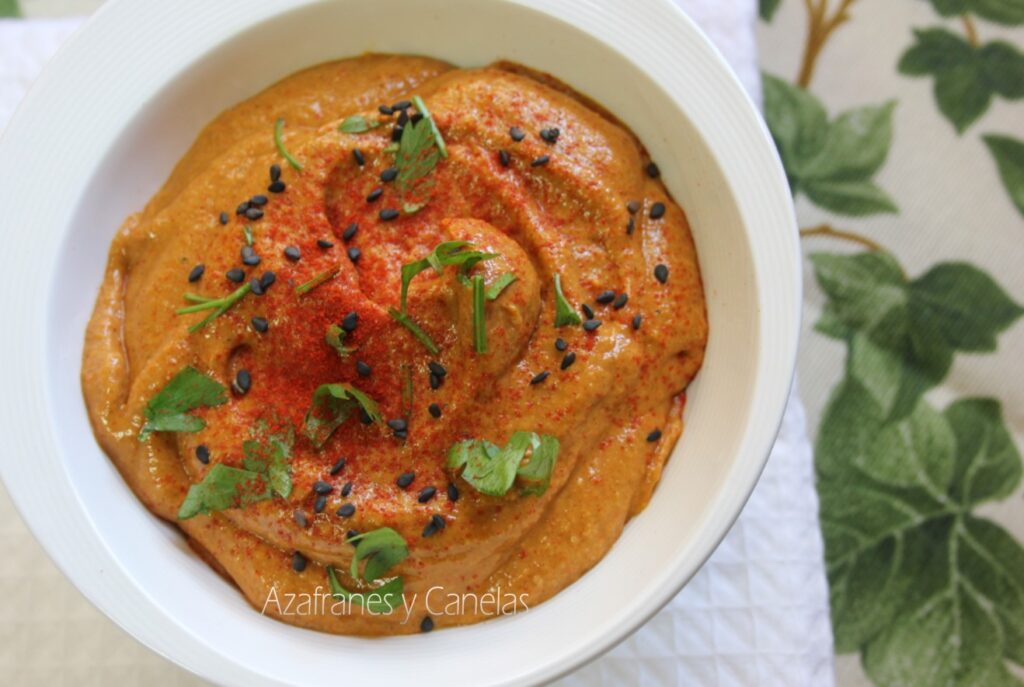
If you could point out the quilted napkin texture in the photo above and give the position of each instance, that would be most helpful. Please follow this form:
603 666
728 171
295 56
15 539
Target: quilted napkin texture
756 614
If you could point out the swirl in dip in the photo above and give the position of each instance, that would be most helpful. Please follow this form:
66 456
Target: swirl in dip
478 449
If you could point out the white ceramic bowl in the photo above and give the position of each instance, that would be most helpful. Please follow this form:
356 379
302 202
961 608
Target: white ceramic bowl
120 104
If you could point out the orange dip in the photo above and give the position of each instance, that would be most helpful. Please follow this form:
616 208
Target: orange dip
589 214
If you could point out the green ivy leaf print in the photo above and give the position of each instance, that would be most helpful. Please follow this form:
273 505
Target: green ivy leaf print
832 163
966 77
1007 12
1009 155
904 333
767 8
9 8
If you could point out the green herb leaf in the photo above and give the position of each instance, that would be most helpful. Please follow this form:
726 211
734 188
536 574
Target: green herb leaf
1009 155
417 155
564 313
332 405
420 335
357 124
421 107
219 306
500 284
382 549
279 142
224 487
492 470
247 232
187 390
335 338
316 281
444 255
269 454
479 315
382 600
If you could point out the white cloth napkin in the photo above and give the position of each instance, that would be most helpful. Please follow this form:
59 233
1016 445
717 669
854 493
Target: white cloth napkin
755 615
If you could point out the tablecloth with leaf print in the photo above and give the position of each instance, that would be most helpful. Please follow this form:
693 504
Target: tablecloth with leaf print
901 128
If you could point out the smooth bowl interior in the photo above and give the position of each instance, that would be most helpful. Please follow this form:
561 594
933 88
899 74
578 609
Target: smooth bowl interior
177 71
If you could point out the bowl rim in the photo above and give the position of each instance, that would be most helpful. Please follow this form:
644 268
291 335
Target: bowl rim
67 531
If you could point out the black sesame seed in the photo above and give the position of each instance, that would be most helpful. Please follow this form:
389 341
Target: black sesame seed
350 231
235 274
223 218
437 368
591 325
242 208
256 287
351 534
260 324
657 211
375 194
363 368
398 424
401 435
258 201
416 118
568 360
403 118
434 409
588 311
551 134
388 214
401 105
243 382
517 134
435 381
249 256
267 279
350 322
539 161
385 110
338 466
275 172
347 511
405 479
539 378
637 319
560 344
504 158
203 454
605 297
654 436
354 254
453 492
364 417
298 562
319 504
389 174
430 530
426 493
196 272
427 624
620 301
631 226
300 518
633 207
254 214
661 273
346 489
438 521
292 253
653 171
324 243
321 487
277 186
396 133
359 157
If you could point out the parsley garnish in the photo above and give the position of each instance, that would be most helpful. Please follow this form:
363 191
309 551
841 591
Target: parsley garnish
421 107
500 284
357 124
219 306
265 472
279 142
492 470
332 404
443 255
419 150
316 281
479 323
189 389
564 313
382 549
247 232
384 599
420 335
335 338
